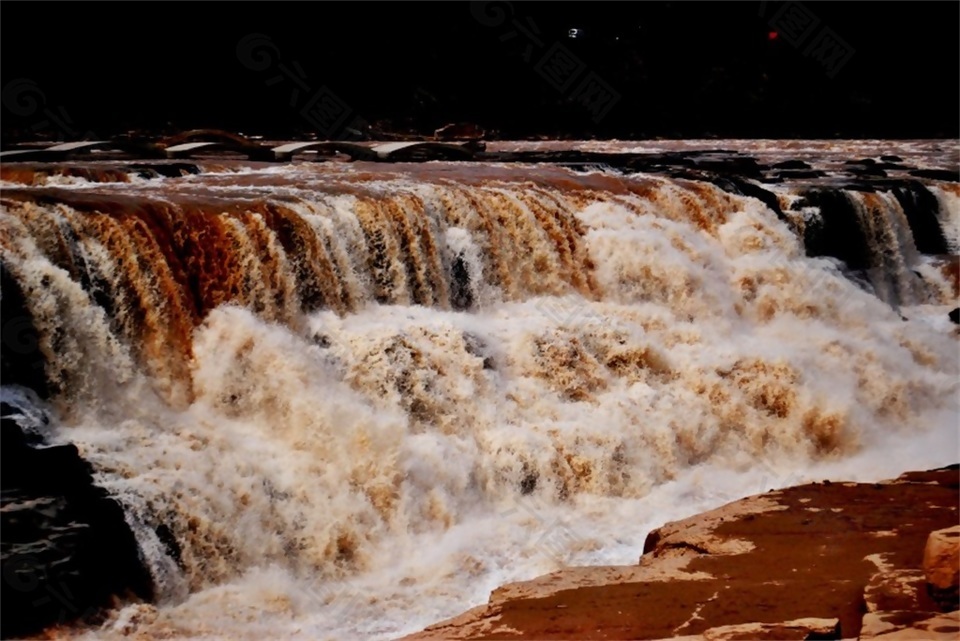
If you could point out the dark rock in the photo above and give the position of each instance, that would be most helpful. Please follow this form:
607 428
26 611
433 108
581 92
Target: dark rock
936 174
955 315
167 169
21 361
891 158
921 209
66 551
800 175
169 541
461 297
741 166
651 541
746 188
867 171
792 164
146 173
838 232
529 481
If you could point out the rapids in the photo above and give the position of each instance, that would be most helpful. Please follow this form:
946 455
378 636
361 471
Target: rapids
350 400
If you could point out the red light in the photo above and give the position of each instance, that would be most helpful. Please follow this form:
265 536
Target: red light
773 35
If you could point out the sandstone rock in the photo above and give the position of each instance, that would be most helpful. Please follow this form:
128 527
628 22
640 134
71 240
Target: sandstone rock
694 533
799 629
763 567
941 564
903 625
896 590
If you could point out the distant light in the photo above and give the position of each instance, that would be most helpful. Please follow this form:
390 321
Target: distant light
773 35
575 33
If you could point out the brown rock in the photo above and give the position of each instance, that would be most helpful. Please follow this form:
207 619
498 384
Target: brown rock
798 630
941 564
897 590
915 626
752 568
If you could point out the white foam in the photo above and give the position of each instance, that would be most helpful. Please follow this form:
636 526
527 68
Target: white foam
366 474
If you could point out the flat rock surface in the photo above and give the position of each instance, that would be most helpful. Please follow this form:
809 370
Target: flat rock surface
792 562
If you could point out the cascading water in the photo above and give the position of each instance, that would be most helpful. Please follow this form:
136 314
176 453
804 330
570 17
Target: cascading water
337 399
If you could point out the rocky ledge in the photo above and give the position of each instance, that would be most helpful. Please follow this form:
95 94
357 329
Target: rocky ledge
67 553
818 561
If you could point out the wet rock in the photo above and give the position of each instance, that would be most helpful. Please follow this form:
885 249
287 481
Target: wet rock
461 295
941 565
66 551
837 232
936 174
741 187
867 171
921 207
792 164
799 174
21 361
743 166
167 169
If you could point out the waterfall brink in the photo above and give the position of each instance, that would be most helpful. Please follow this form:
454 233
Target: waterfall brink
887 238
305 373
156 262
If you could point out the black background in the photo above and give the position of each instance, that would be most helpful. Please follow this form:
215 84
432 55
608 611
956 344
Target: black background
682 69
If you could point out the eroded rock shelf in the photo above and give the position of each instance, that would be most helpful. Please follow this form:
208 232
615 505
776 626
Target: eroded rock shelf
818 561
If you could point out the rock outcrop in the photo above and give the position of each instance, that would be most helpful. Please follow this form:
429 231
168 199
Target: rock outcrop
67 550
941 566
817 561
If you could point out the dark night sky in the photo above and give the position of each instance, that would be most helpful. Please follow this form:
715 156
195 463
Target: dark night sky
638 69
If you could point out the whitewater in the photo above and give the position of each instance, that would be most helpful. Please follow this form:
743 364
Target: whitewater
361 398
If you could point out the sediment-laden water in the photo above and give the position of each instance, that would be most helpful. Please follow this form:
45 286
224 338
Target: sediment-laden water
348 400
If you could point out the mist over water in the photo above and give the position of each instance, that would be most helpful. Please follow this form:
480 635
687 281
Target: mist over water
339 401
